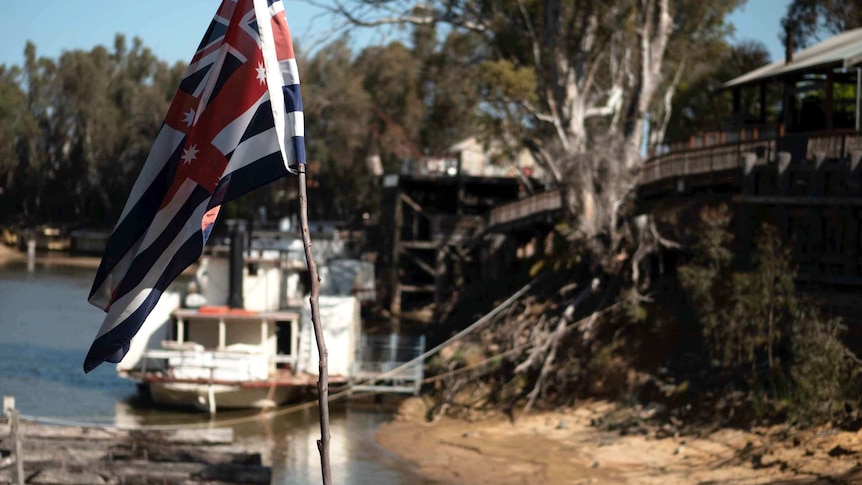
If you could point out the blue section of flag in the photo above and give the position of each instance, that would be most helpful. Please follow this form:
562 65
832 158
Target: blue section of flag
299 148
292 98
215 146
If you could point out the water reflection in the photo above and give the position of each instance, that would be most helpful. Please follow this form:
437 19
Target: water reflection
46 327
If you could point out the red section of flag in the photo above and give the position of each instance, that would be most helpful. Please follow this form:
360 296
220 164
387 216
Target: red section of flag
200 161
283 43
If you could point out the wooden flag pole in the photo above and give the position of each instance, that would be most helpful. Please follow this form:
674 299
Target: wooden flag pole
323 380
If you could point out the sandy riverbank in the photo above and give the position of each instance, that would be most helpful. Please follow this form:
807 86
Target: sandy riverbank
8 254
563 448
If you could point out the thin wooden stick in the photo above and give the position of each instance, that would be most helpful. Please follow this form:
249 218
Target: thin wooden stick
323 380
15 431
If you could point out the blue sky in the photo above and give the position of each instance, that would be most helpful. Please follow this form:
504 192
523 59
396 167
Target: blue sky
173 28
761 20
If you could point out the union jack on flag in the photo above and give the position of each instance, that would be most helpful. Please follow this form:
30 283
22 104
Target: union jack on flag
235 124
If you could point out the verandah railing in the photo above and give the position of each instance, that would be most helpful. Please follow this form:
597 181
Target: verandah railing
730 156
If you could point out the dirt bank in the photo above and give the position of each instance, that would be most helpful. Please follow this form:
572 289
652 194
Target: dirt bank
563 448
8 254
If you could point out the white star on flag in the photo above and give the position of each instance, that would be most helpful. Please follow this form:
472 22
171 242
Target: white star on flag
190 154
261 73
190 117
240 101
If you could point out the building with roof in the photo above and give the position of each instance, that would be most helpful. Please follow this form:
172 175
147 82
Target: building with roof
812 90
790 156
818 89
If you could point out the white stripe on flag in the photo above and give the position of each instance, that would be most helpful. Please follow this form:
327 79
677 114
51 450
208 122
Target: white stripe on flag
211 81
252 150
276 8
167 213
289 71
205 61
102 296
166 142
274 79
227 139
297 120
131 301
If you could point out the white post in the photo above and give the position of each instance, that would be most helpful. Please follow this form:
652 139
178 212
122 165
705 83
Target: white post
222 333
181 330
294 340
31 255
15 434
858 99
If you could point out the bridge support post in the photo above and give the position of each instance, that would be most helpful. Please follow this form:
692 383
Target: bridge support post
851 263
818 178
783 175
745 211
851 214
783 184
854 167
749 181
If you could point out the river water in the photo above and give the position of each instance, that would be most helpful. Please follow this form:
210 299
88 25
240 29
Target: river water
46 326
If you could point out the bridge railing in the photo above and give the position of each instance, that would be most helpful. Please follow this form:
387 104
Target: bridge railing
705 160
551 200
836 144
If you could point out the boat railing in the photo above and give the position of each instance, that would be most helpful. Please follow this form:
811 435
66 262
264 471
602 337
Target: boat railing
213 365
380 364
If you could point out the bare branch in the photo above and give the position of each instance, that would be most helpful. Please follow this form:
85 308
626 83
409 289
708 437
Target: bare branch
534 40
357 17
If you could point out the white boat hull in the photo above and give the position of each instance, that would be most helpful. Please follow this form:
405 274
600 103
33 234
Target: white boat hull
209 397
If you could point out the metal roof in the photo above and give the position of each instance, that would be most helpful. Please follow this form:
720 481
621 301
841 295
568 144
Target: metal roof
843 50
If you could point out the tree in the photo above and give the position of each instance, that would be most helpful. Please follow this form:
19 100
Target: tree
449 86
337 111
806 20
572 81
391 78
15 126
700 104
389 101
78 130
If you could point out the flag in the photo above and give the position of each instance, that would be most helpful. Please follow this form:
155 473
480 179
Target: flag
235 124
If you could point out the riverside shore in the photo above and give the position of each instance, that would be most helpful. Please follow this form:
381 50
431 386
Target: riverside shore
563 447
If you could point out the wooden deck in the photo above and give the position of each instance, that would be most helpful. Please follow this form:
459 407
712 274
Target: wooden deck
66 455
525 211
718 159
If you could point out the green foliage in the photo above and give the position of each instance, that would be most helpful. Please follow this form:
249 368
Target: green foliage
701 106
504 80
807 21
75 130
759 332
337 113
450 91
824 377
632 308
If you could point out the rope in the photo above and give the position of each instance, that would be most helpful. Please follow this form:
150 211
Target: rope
518 348
298 407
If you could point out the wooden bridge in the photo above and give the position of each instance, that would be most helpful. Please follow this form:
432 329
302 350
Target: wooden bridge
439 232
806 161
541 207
808 185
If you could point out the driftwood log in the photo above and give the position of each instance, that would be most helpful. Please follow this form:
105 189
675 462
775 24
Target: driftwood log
60 455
